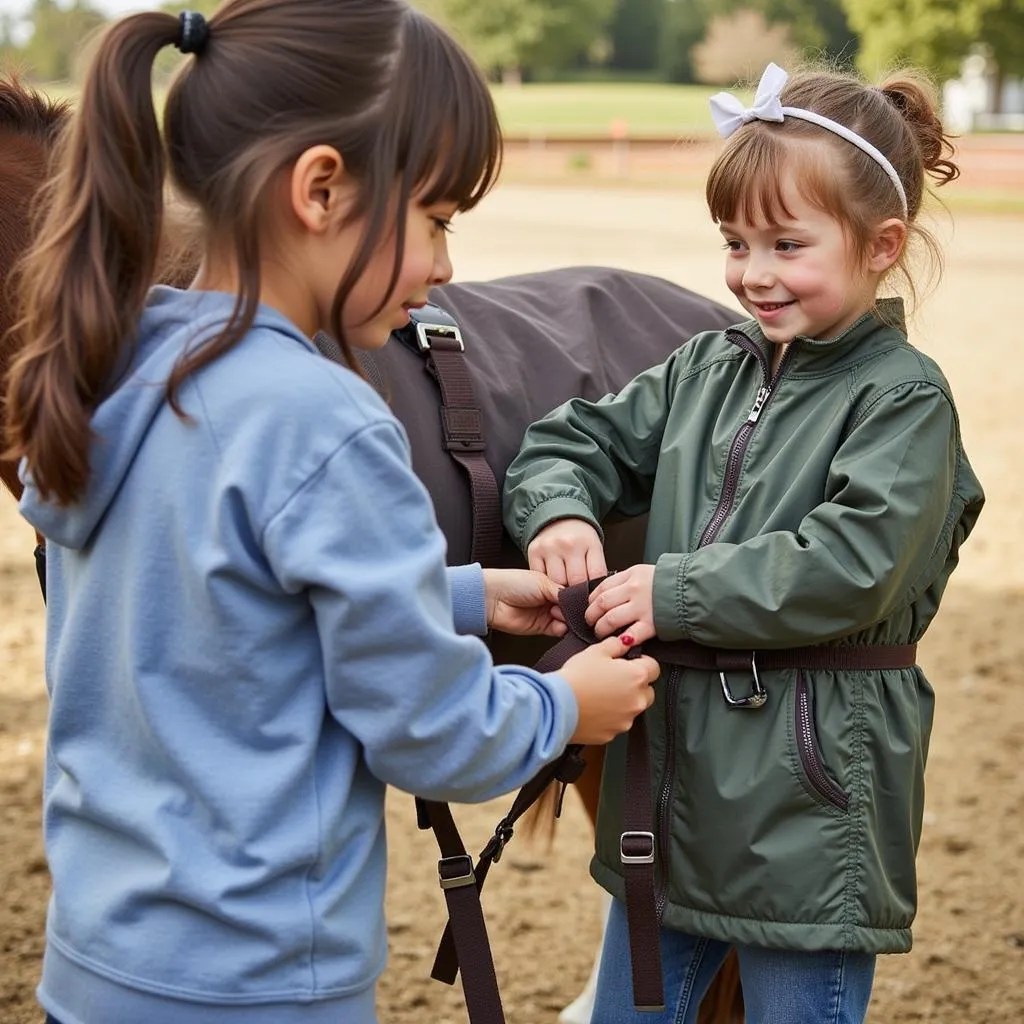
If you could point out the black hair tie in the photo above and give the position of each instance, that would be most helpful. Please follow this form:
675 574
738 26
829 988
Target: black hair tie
193 32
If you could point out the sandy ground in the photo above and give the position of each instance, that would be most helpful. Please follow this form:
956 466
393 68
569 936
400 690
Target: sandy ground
967 966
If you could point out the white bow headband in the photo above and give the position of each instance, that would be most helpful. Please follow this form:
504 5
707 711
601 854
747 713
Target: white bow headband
729 114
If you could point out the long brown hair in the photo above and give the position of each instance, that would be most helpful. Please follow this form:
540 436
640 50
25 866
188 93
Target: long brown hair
398 98
900 118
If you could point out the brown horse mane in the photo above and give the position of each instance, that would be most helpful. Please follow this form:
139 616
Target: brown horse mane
30 124
28 112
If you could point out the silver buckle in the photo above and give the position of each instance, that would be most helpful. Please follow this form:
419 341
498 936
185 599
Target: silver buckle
467 877
426 333
757 696
636 858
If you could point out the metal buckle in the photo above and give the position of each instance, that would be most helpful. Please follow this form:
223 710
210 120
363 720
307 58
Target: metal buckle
432 322
636 858
495 847
467 877
757 696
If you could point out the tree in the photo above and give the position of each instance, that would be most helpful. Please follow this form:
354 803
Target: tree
58 34
511 36
1002 31
685 23
738 46
635 34
938 33
819 25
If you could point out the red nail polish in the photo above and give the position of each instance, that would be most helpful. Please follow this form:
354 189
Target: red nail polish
627 640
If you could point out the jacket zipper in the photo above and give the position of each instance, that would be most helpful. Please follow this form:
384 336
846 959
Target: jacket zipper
733 465
738 449
665 796
810 754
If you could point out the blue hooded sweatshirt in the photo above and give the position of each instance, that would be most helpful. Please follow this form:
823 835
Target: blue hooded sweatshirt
250 633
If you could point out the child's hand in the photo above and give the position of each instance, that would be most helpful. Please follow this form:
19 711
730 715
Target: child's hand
569 551
522 602
625 599
610 691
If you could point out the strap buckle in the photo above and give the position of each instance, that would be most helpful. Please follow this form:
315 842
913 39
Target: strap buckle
431 323
636 848
757 696
456 872
495 847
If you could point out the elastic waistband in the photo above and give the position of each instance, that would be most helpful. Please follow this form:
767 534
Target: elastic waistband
75 995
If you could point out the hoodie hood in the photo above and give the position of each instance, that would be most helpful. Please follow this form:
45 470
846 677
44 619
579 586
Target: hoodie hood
172 322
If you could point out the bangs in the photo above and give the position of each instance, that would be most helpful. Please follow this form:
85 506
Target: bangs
747 181
448 136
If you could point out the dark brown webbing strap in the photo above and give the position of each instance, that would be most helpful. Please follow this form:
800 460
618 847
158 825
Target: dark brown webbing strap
462 428
636 852
637 842
821 658
564 770
461 885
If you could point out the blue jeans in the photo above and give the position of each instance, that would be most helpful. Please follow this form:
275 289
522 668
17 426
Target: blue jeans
779 986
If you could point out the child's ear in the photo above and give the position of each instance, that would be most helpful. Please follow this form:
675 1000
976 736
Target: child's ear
887 244
319 188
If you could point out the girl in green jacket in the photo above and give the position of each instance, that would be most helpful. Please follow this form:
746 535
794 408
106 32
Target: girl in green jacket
808 493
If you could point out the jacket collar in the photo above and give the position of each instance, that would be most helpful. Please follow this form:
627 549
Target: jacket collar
881 327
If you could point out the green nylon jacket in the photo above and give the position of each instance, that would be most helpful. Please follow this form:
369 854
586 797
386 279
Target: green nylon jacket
826 505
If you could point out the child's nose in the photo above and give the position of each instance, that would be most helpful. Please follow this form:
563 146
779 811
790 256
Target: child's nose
758 273
442 271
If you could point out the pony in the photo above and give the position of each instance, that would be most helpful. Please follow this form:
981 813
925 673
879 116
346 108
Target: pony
531 342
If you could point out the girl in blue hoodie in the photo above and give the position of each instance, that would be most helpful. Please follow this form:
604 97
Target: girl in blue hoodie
251 629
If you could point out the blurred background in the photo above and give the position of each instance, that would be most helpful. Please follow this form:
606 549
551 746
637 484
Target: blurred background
616 90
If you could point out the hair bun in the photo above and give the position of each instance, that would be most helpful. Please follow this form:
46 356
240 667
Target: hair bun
915 100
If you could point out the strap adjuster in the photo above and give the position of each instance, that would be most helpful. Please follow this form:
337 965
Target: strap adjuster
456 872
433 324
636 848
427 334
495 847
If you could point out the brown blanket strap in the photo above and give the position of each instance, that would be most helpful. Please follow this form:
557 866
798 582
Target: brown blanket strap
461 885
461 932
462 427
637 844
464 943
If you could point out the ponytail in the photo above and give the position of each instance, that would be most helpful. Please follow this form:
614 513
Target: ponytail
82 285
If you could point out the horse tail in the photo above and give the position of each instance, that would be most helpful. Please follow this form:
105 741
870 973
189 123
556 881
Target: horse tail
82 284
538 823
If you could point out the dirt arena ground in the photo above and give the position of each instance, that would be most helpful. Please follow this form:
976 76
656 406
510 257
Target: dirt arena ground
967 966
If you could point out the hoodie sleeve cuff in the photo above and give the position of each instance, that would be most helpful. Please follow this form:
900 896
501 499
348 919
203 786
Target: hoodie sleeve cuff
469 608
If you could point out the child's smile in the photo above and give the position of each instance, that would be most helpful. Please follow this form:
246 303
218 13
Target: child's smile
795 273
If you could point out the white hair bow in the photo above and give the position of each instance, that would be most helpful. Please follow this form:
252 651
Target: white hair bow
729 114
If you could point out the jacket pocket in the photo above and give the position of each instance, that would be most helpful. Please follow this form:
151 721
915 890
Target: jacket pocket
815 772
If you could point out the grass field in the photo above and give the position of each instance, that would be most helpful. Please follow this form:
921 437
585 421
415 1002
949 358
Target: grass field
580 110
563 113
590 109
